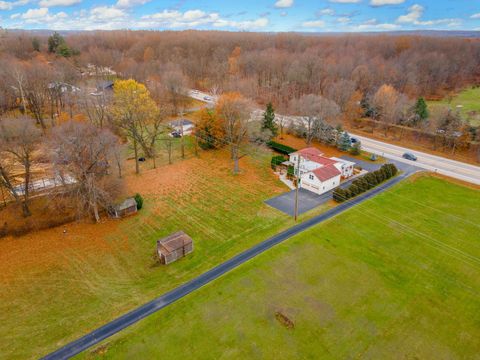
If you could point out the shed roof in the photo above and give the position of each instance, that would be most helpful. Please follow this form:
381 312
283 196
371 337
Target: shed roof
326 172
174 241
130 202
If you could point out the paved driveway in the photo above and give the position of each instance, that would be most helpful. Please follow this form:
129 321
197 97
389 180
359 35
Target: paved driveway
308 200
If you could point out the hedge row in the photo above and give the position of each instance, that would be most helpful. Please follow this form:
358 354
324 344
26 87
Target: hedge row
277 160
283 149
365 183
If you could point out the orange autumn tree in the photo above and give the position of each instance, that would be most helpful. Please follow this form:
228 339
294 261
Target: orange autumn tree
208 130
233 111
233 61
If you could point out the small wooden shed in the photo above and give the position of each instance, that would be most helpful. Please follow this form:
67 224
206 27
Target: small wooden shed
128 207
174 247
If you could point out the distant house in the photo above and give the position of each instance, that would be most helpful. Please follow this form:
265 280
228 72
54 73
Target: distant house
174 247
319 173
182 126
128 207
61 87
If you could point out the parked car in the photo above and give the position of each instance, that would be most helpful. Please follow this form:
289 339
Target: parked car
176 134
353 140
207 98
409 156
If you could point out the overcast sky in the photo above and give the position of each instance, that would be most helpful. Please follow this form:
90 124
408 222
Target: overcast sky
246 15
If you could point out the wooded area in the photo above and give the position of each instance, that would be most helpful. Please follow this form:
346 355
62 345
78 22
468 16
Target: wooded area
72 103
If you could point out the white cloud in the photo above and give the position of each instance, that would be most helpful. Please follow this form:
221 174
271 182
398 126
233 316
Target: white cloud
195 18
344 20
345 1
326 11
40 16
314 24
415 13
124 4
284 3
386 2
475 16
106 13
9 5
374 25
52 3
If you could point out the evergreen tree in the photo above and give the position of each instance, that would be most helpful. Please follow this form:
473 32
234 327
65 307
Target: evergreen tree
269 120
344 142
421 109
36 44
356 148
54 42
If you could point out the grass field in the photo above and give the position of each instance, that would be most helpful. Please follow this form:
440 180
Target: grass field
56 287
397 277
469 105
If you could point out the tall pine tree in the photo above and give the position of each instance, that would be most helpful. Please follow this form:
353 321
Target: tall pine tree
421 109
269 120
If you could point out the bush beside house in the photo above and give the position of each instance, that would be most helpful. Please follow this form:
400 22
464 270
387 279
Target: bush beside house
365 183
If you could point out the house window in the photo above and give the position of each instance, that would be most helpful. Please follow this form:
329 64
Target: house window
294 158
311 177
334 183
324 188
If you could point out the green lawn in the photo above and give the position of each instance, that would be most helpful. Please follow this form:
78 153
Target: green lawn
61 292
397 277
467 101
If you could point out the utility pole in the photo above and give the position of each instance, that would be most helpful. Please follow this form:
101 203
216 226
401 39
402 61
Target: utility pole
297 182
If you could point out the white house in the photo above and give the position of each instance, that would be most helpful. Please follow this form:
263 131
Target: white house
319 173
182 126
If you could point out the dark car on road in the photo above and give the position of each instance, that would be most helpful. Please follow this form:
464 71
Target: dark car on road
409 156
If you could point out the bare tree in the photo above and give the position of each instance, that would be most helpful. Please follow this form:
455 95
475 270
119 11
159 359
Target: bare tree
315 110
19 138
234 111
84 153
176 86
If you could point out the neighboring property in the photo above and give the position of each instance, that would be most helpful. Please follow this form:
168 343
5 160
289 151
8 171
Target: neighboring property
174 247
182 127
62 87
128 207
319 173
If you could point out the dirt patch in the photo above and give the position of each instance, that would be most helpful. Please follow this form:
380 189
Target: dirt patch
284 320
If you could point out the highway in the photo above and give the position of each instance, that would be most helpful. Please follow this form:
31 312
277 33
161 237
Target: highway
95 337
455 169
441 165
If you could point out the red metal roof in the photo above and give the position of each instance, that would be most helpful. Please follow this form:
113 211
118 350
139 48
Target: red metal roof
315 155
326 173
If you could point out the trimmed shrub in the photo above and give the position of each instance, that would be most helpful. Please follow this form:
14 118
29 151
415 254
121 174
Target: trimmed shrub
291 171
139 200
283 149
339 195
276 160
354 189
366 182
379 175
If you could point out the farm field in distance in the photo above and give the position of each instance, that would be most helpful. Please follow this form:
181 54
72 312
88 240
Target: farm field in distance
469 102
56 287
395 277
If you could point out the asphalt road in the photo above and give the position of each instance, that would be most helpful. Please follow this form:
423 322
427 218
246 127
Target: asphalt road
444 166
170 297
